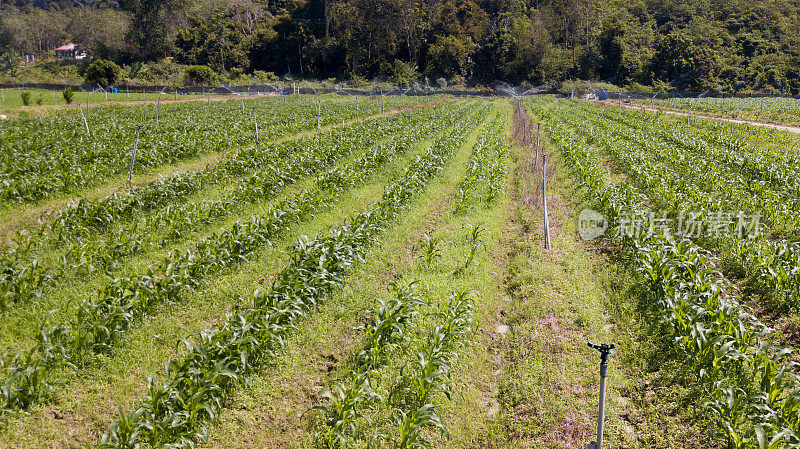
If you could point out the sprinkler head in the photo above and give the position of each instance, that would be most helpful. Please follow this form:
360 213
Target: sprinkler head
606 349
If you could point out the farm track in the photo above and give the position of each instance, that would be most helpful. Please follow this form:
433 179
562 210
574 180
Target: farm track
143 338
678 112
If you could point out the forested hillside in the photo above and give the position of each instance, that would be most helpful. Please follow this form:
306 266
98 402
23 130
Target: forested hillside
728 45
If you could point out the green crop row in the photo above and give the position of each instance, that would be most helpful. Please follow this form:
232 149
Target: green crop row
383 334
427 374
100 321
748 384
40 157
688 171
22 276
177 411
486 171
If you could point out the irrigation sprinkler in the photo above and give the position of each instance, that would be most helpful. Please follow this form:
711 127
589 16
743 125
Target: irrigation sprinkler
133 155
605 351
544 203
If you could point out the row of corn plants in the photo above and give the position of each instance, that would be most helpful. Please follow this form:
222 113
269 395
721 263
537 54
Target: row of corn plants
412 393
41 157
83 216
748 383
428 374
773 109
684 179
771 265
486 171
23 276
178 410
101 320
722 149
383 334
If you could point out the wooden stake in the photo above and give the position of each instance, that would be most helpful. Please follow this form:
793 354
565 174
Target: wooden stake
158 101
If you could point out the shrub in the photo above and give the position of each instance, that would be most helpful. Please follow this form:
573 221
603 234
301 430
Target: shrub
404 74
26 98
267 77
39 100
102 72
200 74
68 95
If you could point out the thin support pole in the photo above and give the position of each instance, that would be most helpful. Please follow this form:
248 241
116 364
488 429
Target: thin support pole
85 123
536 159
133 154
544 203
258 140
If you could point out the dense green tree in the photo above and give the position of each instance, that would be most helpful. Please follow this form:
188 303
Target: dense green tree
102 72
728 45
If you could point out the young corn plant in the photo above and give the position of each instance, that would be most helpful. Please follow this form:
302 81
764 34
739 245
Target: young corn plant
383 334
429 249
429 373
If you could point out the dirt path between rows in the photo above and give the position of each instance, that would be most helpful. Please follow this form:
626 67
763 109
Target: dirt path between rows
778 126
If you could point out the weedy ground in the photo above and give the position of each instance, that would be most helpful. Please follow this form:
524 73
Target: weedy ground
86 402
524 379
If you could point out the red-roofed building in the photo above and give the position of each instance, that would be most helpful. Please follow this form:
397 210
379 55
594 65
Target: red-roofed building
71 51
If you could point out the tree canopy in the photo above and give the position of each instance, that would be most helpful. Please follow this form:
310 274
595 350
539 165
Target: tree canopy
725 45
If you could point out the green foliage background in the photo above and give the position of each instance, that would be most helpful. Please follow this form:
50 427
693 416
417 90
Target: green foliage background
723 45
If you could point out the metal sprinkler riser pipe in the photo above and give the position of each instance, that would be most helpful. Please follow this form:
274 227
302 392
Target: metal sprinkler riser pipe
605 351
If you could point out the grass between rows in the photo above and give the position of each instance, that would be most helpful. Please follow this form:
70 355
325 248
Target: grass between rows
16 217
560 299
82 409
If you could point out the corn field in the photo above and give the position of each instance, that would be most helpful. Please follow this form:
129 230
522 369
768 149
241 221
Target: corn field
368 272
